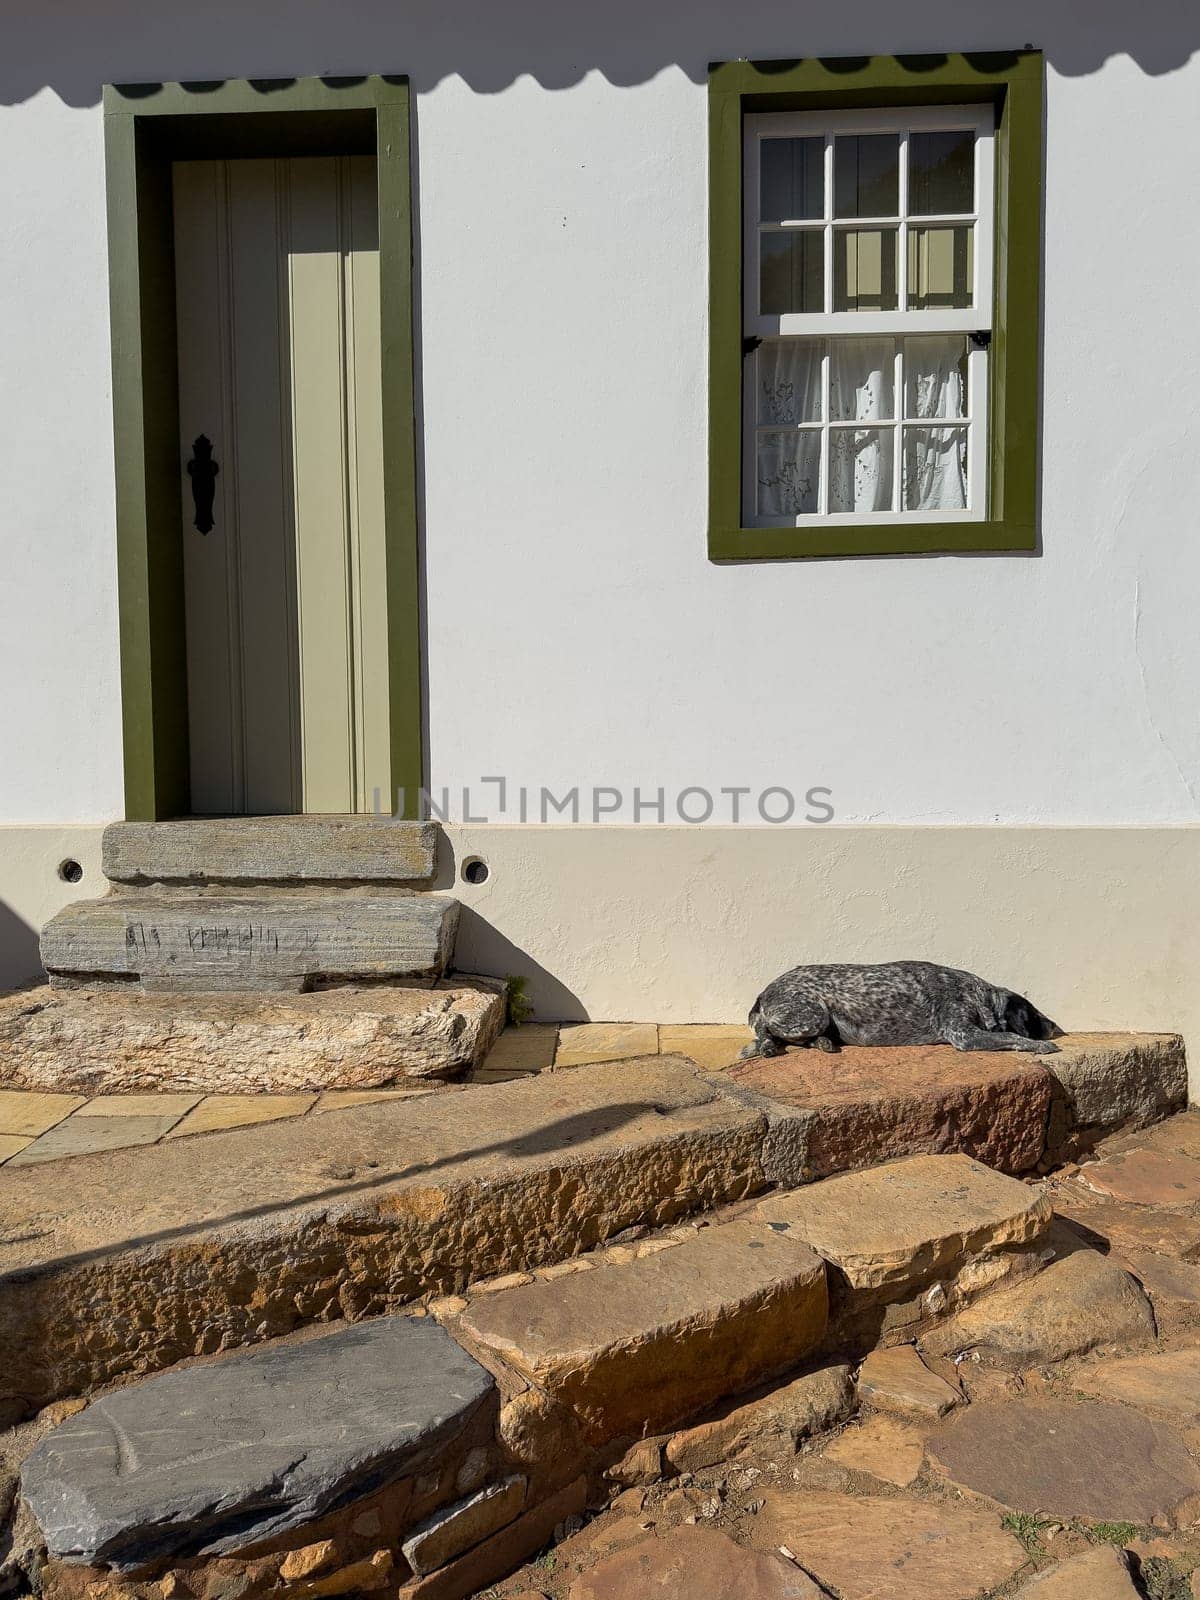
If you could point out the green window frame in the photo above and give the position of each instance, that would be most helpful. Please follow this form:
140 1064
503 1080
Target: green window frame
1012 82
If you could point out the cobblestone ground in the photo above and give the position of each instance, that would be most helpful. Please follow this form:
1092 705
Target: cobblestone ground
1052 1448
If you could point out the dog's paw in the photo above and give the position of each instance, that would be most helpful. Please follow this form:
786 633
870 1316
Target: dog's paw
1041 1047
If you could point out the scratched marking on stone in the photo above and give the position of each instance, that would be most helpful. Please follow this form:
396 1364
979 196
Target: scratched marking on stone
245 940
241 1436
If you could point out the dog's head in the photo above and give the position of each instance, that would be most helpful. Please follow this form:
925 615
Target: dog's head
1017 1015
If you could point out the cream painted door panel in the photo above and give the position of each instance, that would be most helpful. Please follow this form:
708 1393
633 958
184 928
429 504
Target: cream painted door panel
277 281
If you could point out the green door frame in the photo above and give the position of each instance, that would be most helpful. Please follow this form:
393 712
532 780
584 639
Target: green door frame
146 128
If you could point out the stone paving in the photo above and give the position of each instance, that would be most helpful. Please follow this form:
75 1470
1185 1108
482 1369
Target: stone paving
1047 1450
1004 1403
36 1127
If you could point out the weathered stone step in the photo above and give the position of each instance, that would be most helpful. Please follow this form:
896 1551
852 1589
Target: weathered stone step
274 938
178 1249
833 1113
639 1347
591 1354
917 1218
913 1240
287 850
117 1039
218 1458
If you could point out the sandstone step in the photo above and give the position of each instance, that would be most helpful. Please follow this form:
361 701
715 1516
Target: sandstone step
198 1244
120 1039
833 1113
220 1457
269 939
1116 1080
638 1347
910 1219
912 1240
288 850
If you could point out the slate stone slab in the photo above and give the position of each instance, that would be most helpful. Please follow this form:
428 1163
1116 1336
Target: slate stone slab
211 1458
271 938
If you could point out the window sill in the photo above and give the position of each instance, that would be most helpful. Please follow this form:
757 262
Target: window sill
870 539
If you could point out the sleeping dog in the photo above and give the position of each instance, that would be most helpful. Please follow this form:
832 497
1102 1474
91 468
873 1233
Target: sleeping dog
896 1002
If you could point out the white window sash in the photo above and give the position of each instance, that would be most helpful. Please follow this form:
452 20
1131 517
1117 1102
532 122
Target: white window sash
975 319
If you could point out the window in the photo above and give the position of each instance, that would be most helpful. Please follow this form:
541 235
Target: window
875 305
868 310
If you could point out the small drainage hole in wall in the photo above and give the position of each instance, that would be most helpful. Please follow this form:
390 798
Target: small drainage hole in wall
70 871
475 871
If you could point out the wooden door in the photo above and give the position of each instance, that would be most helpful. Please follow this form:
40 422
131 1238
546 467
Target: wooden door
277 285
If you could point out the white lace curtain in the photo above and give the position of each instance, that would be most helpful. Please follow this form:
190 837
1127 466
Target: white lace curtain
862 390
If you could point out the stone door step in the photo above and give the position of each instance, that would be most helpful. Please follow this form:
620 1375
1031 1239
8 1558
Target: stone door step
272 939
236 1237
116 1039
282 850
215 1458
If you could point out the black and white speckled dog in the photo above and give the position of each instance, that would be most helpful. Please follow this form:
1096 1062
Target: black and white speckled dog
896 1002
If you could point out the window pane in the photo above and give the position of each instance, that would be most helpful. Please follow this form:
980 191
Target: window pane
935 469
789 380
941 267
862 380
866 175
860 469
864 269
789 472
792 180
935 376
941 173
791 272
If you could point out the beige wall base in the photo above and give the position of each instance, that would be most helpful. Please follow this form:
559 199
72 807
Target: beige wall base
1100 926
31 890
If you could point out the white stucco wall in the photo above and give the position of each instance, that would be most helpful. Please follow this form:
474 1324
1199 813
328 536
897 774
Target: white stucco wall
576 631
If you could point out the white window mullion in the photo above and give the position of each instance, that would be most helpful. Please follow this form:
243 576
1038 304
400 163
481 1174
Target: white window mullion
827 230
823 498
902 241
898 437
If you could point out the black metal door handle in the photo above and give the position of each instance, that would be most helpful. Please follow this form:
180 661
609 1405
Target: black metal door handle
202 470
